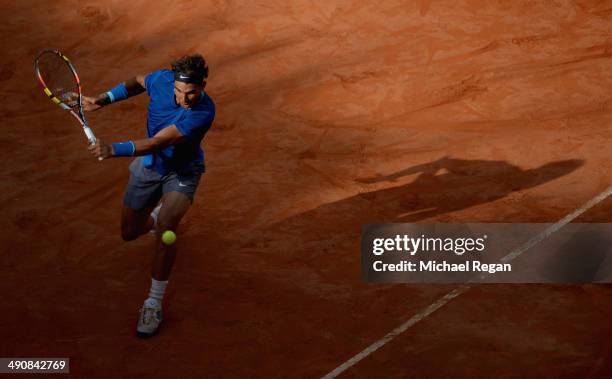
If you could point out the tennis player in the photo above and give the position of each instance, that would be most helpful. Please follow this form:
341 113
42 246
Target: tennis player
165 175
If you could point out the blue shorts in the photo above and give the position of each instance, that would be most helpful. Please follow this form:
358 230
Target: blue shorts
146 187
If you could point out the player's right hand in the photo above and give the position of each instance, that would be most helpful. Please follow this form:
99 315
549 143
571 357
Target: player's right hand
89 104
101 150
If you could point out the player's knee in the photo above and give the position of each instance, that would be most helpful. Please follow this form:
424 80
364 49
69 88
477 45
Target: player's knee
166 222
163 226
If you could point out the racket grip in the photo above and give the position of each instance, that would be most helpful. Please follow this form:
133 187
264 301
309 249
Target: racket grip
89 134
92 142
90 137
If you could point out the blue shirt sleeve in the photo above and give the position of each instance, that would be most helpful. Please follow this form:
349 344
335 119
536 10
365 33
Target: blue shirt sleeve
195 123
149 79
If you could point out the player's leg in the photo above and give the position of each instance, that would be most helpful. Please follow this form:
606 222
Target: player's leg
178 196
175 206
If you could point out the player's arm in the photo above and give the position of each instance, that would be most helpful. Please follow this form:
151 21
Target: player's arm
131 87
166 137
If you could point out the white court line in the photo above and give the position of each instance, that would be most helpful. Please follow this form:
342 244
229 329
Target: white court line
462 289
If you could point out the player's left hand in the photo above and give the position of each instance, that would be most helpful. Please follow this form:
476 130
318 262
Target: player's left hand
101 150
90 104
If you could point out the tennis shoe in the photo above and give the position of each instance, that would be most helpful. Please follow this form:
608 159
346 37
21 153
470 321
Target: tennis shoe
149 320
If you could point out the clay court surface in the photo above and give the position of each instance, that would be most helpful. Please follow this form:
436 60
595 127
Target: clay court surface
331 114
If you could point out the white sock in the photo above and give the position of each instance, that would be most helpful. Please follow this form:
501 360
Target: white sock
156 293
154 215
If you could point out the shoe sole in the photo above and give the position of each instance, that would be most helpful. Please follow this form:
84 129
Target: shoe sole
144 335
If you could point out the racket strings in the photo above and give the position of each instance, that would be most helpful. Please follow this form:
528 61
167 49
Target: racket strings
59 78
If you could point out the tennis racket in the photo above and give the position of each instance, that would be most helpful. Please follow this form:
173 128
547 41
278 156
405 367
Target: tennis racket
61 83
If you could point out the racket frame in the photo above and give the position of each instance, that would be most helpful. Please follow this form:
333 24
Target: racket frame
80 116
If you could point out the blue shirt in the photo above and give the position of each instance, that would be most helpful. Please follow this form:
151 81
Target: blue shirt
192 123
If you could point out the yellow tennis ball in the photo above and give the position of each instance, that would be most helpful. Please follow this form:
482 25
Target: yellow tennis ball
168 237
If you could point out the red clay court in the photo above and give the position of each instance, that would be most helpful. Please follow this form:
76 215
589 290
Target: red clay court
330 115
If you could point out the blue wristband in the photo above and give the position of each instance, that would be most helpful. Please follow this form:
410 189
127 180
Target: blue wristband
118 93
124 149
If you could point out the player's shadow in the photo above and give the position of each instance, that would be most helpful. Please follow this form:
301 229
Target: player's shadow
448 185
442 186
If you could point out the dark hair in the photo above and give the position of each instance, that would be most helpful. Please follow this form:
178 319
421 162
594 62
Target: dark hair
191 65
